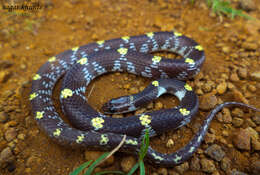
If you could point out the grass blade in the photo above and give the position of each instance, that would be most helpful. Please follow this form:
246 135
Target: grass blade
142 168
93 165
80 168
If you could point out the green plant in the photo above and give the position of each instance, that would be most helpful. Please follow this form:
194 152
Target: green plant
223 7
91 166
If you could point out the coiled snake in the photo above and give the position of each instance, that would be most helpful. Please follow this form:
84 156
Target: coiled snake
94 130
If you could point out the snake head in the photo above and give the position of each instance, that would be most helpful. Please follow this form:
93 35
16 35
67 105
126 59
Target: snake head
117 105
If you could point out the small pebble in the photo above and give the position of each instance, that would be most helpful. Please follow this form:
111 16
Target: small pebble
3 117
222 87
4 64
170 143
208 166
215 152
182 167
225 116
247 5
208 102
249 46
242 73
225 164
195 163
237 122
234 77
127 163
251 88
237 112
209 138
10 134
6 155
163 171
241 140
255 76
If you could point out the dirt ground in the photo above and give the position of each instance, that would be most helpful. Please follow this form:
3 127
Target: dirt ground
231 72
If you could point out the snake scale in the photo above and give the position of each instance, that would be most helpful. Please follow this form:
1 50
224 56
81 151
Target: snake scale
94 130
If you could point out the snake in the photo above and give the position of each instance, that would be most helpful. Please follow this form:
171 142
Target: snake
91 129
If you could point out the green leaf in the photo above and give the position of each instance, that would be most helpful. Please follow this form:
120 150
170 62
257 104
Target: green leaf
144 145
93 165
142 168
80 168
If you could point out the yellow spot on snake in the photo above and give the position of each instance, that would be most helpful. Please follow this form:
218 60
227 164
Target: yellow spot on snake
155 83
126 38
75 49
52 59
80 138
145 120
150 34
177 158
65 93
97 122
189 60
199 47
100 42
191 149
184 111
188 87
122 51
157 157
104 139
57 132
39 114
156 59
131 142
33 96
177 34
36 77
82 61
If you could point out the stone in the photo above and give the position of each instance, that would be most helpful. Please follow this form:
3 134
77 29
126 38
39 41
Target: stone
208 101
182 167
195 164
242 140
222 87
234 77
3 117
6 155
242 73
255 76
237 112
127 163
208 166
215 152
4 64
10 134
247 5
225 164
237 122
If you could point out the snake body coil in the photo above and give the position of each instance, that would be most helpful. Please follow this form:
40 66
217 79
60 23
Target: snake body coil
92 129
